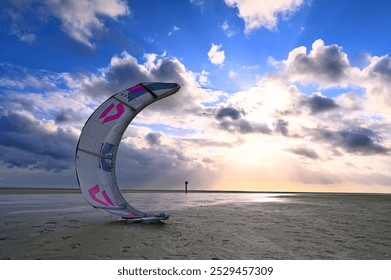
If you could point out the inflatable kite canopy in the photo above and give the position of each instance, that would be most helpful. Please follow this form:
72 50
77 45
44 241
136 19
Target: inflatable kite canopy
97 149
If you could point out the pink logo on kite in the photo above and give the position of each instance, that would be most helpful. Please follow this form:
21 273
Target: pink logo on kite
120 111
131 215
93 193
137 89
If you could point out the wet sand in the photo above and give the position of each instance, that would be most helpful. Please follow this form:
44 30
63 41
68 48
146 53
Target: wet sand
301 226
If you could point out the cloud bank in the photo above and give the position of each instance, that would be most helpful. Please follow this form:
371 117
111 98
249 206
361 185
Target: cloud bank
272 136
40 130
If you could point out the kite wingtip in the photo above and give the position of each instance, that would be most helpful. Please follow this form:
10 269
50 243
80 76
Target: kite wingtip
164 215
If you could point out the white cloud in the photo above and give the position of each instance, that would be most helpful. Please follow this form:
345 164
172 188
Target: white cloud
174 30
198 3
150 59
232 74
149 39
216 56
19 27
258 14
82 19
227 28
203 78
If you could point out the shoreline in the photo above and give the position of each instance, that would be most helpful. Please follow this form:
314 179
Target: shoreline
22 190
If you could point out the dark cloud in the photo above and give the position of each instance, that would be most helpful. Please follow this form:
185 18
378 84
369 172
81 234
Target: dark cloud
362 141
383 68
160 167
305 152
68 115
25 143
326 63
125 71
153 138
281 126
318 103
230 112
128 72
244 126
168 70
231 119
359 140
115 79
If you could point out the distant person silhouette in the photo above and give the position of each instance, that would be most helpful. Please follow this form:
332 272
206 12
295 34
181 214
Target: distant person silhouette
186 182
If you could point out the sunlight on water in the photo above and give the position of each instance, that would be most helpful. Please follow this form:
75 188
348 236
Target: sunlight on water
177 201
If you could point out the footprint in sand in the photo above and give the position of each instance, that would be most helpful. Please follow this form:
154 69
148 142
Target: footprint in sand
101 257
125 249
66 237
7 238
75 245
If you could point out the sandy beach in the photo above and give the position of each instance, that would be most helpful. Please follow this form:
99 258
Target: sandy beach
201 226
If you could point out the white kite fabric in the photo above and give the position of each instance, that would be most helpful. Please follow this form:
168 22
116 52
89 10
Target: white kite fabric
97 149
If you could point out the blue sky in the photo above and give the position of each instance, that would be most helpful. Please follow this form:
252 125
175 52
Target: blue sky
286 95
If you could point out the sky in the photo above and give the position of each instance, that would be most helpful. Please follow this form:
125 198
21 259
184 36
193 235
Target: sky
285 95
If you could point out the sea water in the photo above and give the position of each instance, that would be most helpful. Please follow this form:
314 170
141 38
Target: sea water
15 204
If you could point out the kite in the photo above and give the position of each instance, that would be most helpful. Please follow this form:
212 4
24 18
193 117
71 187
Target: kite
98 144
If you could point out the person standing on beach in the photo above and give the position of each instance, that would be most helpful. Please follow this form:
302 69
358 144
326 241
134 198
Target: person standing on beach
186 182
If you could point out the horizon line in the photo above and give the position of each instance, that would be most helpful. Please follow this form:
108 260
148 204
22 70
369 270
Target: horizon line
42 190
